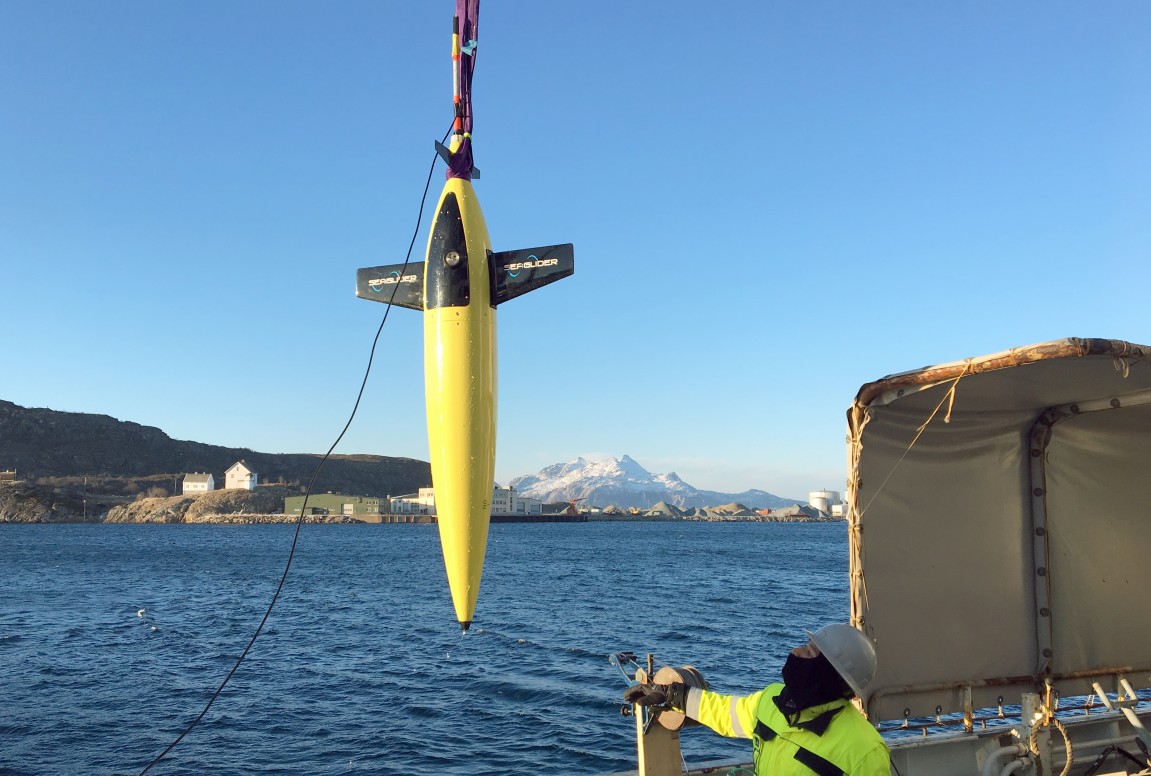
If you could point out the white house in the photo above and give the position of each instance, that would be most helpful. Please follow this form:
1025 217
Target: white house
197 483
239 477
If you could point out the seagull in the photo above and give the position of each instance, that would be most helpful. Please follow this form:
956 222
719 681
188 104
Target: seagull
141 612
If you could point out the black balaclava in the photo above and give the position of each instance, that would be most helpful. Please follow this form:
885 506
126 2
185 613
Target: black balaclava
809 681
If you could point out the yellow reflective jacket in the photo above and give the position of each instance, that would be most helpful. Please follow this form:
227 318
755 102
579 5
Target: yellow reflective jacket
828 740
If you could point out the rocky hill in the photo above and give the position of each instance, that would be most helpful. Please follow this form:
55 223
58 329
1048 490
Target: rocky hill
26 502
85 464
260 505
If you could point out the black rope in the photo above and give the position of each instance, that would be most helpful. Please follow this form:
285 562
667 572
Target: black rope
311 482
1118 750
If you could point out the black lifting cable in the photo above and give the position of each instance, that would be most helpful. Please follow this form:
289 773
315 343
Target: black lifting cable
311 481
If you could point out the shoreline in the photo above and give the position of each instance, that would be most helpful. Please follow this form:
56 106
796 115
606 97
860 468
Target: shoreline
276 519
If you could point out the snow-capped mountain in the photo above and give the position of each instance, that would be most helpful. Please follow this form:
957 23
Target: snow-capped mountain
624 483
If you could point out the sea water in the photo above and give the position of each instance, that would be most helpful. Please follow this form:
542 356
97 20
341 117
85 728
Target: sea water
113 638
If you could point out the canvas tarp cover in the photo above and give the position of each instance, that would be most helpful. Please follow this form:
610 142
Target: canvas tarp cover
1008 545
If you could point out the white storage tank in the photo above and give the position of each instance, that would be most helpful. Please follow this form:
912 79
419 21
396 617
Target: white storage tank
823 499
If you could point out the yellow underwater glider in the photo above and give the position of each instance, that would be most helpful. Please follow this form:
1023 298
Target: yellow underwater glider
458 287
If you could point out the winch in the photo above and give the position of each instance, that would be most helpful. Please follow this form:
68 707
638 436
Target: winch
657 745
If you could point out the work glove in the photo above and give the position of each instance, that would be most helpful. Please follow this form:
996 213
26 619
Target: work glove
673 695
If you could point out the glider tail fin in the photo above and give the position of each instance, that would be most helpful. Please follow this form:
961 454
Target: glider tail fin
514 273
398 284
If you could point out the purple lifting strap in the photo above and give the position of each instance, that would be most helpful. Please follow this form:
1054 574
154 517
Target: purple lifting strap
468 12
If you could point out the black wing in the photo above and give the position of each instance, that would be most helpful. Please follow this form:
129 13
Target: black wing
397 284
514 273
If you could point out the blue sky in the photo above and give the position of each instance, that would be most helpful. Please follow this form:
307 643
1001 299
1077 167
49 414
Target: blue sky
772 203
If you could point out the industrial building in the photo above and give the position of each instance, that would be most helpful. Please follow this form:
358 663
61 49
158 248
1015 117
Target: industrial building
829 502
371 509
505 501
361 507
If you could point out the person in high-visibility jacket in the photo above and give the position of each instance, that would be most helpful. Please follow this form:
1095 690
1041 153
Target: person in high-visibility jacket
806 725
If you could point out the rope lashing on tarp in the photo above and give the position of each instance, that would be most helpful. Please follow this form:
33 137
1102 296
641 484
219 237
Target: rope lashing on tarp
861 418
949 399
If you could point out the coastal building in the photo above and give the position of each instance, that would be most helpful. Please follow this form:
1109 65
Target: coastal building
197 483
361 507
823 500
420 503
7 476
239 477
505 501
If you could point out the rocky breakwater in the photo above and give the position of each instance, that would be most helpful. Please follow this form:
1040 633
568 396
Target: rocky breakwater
264 504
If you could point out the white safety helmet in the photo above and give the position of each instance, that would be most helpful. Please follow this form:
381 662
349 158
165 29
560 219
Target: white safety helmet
850 653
